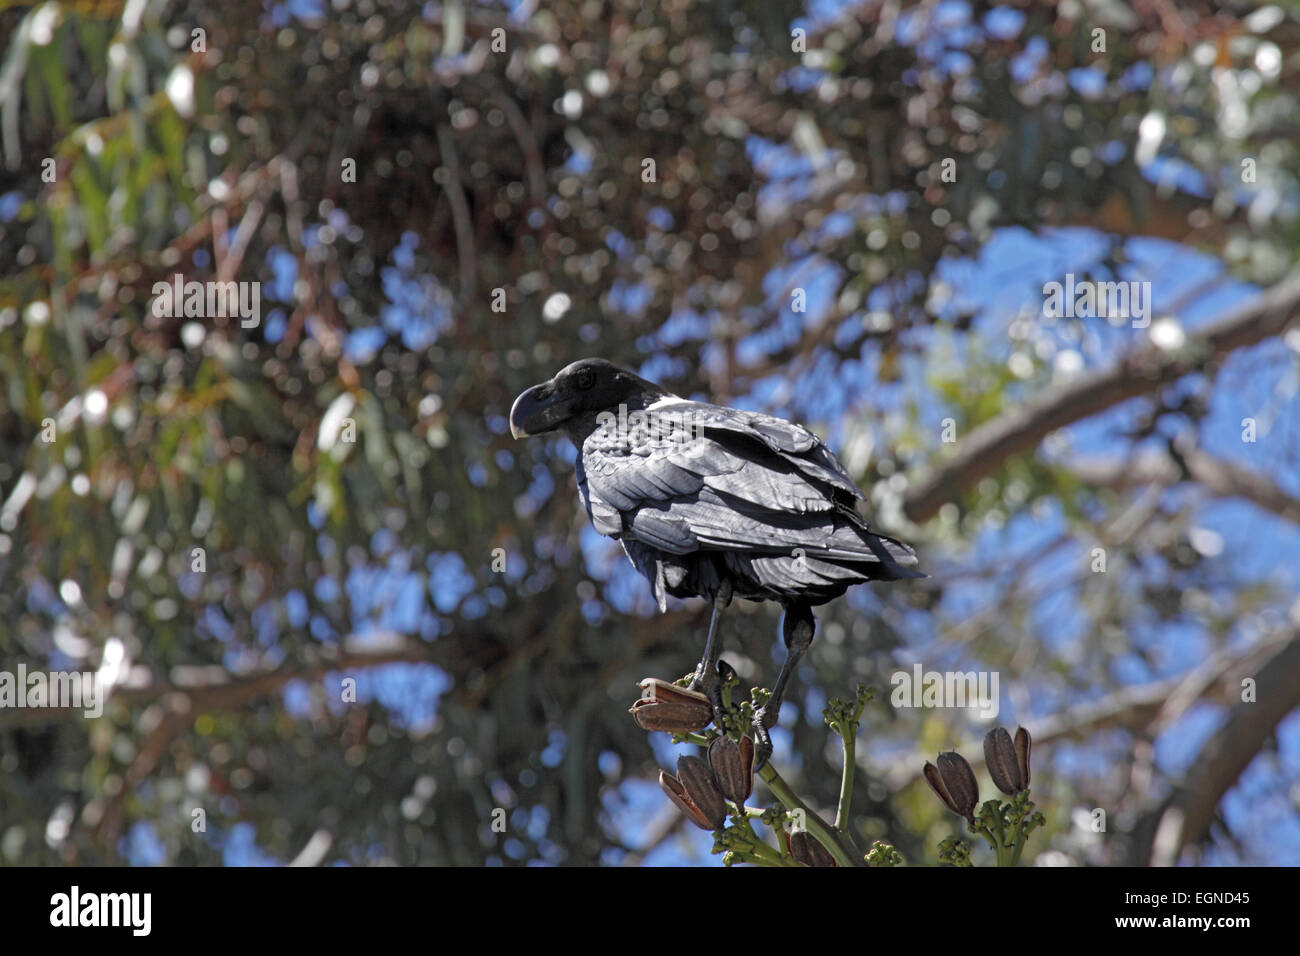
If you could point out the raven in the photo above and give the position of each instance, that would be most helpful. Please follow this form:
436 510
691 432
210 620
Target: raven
714 502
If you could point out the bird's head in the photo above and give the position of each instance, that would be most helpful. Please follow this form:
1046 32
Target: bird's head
576 395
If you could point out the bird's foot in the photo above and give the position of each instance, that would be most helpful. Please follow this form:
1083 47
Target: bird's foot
708 683
762 739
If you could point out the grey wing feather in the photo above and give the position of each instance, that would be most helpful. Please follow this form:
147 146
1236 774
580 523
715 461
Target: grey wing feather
794 443
745 482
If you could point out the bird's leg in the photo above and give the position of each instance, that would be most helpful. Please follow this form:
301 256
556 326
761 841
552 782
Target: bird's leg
797 630
706 678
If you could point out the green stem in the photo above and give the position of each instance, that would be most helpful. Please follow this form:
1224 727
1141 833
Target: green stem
758 849
768 854
1004 856
991 840
1021 838
848 741
1024 826
840 846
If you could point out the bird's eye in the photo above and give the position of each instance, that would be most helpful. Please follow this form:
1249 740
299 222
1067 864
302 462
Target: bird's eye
584 379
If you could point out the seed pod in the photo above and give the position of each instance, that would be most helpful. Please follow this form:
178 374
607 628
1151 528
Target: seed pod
936 784
733 767
1003 763
702 789
1023 743
669 708
805 849
678 795
953 781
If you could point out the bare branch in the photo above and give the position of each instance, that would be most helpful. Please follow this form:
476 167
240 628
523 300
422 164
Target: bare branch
1145 708
1184 818
455 193
1222 478
197 690
1141 372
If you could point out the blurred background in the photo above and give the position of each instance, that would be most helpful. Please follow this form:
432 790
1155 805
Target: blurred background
840 213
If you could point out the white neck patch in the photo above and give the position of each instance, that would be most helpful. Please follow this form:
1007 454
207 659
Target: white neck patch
666 400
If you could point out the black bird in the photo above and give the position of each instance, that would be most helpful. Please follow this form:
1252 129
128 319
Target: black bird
714 502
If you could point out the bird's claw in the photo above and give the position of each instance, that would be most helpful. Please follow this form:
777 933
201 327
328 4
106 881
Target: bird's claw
719 713
707 682
700 682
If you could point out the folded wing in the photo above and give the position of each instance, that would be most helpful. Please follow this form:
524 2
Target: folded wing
700 477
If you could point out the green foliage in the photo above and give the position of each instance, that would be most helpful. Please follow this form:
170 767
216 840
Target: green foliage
479 170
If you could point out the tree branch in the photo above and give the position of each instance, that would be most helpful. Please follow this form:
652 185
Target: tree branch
1222 478
1144 370
198 690
1146 708
1184 817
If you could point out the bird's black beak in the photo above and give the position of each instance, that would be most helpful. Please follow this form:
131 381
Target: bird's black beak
539 410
